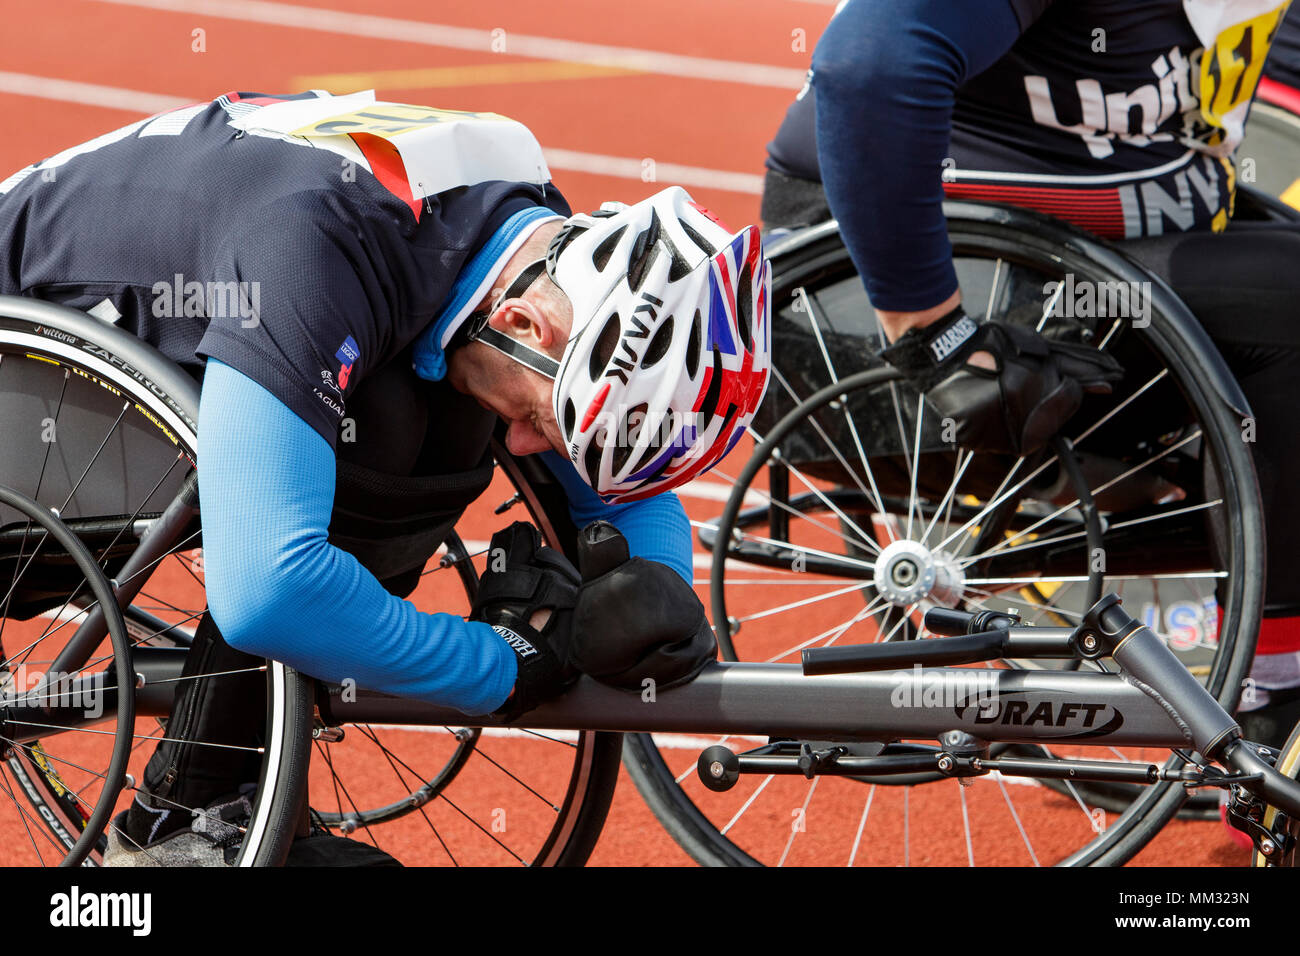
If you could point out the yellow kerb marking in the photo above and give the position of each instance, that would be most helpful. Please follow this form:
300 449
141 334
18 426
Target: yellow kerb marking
486 74
1291 196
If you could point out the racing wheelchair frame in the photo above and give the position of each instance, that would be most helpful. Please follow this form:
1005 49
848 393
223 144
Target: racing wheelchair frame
118 406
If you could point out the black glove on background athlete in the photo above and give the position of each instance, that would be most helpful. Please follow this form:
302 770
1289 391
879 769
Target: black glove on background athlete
1037 386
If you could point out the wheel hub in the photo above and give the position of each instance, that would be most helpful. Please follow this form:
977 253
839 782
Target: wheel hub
908 572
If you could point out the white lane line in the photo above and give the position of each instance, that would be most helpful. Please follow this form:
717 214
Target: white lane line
625 168
88 94
468 38
619 167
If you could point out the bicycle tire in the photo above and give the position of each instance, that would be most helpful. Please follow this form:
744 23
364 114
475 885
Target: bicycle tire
123 672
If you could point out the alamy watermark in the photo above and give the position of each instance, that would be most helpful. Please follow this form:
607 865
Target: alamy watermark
176 298
948 688
77 690
625 428
1073 298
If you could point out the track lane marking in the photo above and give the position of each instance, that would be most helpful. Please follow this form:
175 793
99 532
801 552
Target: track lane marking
482 74
568 160
469 38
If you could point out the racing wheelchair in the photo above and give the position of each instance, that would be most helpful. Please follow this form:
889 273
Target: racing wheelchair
101 542
856 513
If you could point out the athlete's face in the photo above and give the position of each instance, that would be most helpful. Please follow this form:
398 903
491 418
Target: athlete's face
523 402
517 395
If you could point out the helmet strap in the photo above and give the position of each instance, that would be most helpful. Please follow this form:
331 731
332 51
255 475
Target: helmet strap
478 330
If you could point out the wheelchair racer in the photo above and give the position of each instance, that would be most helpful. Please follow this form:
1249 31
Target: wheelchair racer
1118 117
397 282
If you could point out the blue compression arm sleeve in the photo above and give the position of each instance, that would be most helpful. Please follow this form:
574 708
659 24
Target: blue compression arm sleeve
655 528
277 588
886 74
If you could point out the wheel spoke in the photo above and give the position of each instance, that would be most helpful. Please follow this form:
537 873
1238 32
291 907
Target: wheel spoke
965 821
862 824
875 607
1016 817
787 546
804 603
916 461
794 831
749 802
796 512
874 494
945 503
1095 491
1050 307
848 419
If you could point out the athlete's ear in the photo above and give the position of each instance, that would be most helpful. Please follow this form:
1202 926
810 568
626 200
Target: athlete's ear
525 321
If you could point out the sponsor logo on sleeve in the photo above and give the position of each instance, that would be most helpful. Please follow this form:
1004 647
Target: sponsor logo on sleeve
347 355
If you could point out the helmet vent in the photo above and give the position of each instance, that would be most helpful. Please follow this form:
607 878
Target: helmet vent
566 235
679 268
570 417
623 448
591 459
744 306
698 239
643 253
693 346
648 431
710 403
600 258
604 350
659 344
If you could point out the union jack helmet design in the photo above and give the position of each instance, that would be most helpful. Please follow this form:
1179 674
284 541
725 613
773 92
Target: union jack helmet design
670 350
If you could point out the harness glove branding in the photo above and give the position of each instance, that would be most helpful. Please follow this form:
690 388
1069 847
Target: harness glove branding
520 646
953 338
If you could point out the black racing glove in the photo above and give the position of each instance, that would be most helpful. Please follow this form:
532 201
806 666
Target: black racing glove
534 577
636 619
1038 384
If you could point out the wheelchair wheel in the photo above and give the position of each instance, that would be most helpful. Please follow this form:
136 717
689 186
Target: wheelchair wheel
465 795
36 701
102 427
856 514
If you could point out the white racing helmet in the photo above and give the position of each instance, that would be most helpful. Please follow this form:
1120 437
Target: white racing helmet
670 349
669 353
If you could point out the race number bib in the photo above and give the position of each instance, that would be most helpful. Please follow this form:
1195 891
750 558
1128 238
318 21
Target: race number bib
1236 35
439 149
